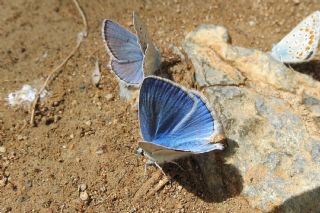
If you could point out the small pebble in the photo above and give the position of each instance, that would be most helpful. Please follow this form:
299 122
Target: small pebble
109 97
252 23
46 210
133 210
28 184
88 123
82 187
3 182
55 103
21 138
96 75
103 189
84 196
74 103
296 1
82 87
3 149
56 118
99 152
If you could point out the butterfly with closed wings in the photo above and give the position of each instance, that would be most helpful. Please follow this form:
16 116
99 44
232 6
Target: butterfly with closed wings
301 44
132 57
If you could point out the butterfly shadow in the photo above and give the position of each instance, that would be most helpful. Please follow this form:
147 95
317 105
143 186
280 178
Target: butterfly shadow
306 202
166 65
310 68
208 176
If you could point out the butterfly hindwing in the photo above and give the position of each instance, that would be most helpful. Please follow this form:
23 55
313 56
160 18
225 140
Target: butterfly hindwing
300 45
162 154
129 72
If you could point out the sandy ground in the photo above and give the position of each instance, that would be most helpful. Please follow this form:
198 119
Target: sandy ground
84 138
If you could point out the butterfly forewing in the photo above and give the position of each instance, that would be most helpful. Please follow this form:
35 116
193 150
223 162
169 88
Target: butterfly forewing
122 43
162 106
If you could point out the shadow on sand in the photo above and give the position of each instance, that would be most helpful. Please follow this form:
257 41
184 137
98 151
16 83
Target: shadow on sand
208 176
310 68
308 202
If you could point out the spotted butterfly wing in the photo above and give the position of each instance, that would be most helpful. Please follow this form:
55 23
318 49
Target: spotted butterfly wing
300 45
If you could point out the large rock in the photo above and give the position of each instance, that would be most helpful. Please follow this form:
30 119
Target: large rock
271 112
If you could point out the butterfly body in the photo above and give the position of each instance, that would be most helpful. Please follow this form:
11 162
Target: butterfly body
300 45
175 122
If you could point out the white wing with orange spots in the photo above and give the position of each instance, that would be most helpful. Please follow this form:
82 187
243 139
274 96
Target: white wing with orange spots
301 43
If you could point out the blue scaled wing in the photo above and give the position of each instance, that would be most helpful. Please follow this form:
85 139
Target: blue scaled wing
162 106
174 118
125 52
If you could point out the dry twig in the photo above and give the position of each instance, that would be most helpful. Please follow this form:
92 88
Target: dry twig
159 186
146 186
81 35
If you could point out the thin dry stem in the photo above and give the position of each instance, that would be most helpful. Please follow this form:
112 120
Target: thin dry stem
84 19
146 186
81 35
159 186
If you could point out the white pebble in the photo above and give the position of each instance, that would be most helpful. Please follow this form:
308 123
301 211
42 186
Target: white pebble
82 187
109 96
84 196
3 149
252 23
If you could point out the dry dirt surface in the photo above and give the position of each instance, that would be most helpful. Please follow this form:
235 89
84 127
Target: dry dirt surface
81 154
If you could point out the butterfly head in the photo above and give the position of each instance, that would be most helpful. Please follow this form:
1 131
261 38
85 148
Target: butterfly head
140 151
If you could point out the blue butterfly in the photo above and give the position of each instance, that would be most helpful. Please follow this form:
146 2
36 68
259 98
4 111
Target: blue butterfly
132 56
174 122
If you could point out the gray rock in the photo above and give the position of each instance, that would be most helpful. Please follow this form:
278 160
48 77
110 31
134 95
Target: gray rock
270 112
312 104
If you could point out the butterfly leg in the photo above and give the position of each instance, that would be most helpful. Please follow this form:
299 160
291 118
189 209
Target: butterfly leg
159 167
151 162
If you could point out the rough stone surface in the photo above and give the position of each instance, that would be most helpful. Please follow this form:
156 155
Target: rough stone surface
271 115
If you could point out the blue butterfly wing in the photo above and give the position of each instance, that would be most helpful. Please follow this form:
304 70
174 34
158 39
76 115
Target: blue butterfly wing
130 72
122 44
195 132
190 131
162 105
